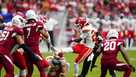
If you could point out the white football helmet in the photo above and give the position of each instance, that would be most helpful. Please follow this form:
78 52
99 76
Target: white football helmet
30 14
112 33
18 21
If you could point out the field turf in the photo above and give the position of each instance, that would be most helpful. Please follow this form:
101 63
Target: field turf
96 71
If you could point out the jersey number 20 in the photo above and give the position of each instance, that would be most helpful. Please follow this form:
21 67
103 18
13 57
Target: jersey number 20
109 46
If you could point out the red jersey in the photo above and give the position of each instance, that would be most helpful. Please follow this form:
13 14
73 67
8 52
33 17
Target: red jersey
7 39
32 36
130 33
104 34
110 50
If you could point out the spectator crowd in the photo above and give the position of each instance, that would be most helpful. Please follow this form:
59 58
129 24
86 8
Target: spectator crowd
102 14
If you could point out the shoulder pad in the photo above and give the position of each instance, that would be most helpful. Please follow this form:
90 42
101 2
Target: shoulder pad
40 24
18 31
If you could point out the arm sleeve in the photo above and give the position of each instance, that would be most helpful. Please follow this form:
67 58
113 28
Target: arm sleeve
40 26
17 31
29 52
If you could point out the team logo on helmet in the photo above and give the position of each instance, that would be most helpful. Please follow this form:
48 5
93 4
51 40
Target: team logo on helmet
112 33
30 14
18 21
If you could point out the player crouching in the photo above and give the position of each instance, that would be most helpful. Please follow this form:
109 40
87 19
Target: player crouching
58 65
110 48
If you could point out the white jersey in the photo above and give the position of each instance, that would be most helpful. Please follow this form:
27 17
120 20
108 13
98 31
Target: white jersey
88 34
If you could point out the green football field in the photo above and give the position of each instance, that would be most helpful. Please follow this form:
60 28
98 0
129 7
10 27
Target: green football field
96 71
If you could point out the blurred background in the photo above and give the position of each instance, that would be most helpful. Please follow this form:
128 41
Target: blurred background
102 14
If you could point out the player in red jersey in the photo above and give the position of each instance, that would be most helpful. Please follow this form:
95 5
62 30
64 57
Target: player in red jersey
32 32
19 61
110 49
18 54
9 36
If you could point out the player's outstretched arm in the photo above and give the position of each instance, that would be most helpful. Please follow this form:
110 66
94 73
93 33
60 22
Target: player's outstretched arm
125 55
97 52
46 36
20 41
44 33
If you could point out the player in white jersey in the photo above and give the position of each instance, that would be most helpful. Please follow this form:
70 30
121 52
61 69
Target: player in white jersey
84 48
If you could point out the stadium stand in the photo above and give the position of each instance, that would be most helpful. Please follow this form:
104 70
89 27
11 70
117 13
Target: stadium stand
102 14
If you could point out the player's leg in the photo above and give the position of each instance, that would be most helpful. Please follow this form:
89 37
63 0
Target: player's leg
30 68
0 69
131 42
77 48
67 66
94 61
8 65
1 66
104 68
42 66
112 72
29 65
84 52
124 67
127 42
85 68
76 69
20 62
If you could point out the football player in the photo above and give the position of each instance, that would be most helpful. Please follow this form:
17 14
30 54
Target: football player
109 49
84 44
58 65
9 36
18 54
32 31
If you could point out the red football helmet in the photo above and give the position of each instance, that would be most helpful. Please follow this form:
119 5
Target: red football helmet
60 54
81 21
